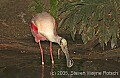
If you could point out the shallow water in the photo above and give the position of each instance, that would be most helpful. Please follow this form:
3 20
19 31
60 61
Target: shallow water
23 60
28 65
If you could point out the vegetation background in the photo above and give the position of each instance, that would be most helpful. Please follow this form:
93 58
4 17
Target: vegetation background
90 23
96 21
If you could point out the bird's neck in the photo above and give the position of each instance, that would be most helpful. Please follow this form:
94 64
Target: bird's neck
57 39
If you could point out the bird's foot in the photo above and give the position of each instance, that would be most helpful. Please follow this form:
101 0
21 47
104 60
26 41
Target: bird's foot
42 63
70 63
52 62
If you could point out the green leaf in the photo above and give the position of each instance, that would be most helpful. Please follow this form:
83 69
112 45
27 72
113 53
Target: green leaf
90 32
101 42
104 35
73 33
53 8
118 33
61 22
67 6
90 17
84 38
81 29
114 42
114 31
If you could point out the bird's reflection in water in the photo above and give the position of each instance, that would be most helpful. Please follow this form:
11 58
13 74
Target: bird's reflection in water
51 70
43 70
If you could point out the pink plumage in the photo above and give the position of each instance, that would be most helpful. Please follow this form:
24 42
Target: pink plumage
43 27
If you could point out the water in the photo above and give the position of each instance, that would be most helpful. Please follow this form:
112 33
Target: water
28 65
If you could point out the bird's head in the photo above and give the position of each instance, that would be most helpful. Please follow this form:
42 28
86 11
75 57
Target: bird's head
63 42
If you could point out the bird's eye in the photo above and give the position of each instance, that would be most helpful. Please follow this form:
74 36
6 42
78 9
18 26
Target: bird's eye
61 43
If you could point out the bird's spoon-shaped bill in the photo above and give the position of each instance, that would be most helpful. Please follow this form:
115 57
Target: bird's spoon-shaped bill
68 58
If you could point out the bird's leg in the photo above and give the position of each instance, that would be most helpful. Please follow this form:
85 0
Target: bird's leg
51 53
43 71
41 50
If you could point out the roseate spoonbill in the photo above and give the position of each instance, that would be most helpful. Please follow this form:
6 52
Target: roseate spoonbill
43 28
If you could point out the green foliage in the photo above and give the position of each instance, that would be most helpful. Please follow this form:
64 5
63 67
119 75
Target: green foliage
90 18
37 6
53 8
